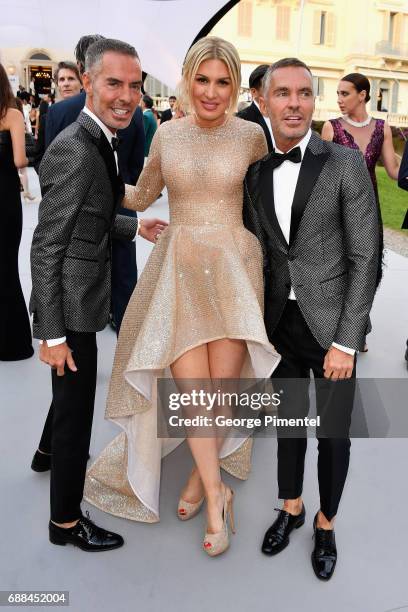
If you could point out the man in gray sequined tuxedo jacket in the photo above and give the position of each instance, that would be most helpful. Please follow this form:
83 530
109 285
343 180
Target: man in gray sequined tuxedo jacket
71 271
312 206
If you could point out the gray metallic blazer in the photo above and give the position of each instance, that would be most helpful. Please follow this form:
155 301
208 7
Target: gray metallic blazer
71 248
331 259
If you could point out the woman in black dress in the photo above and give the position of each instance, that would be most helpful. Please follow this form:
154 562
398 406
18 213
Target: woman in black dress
15 332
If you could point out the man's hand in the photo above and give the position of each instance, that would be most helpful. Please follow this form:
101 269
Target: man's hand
57 356
150 229
338 365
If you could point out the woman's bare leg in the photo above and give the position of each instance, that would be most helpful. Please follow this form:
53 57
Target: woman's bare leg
223 359
194 365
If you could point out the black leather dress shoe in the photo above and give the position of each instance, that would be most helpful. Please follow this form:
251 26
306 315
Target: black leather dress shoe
42 462
277 536
324 555
86 535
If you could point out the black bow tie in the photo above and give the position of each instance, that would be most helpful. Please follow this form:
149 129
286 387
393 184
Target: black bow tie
276 159
115 143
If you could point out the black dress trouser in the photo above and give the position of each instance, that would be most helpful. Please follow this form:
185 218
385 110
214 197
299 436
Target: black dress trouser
68 427
334 403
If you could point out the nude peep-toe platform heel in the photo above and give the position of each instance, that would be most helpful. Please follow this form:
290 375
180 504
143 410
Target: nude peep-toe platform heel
216 543
188 510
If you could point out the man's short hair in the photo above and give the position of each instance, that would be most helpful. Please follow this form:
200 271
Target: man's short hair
286 62
257 75
82 47
172 98
148 101
97 50
67 66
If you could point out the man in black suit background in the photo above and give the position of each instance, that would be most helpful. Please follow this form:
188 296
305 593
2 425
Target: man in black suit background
253 112
168 113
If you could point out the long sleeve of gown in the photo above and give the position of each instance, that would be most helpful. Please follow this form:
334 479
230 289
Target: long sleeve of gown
150 183
259 146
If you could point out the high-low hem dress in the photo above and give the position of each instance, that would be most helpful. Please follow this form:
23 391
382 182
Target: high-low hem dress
202 282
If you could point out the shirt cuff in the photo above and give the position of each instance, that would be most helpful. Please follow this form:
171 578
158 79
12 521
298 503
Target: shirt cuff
345 349
54 341
139 225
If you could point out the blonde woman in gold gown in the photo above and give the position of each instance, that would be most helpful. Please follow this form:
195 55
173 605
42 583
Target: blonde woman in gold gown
197 310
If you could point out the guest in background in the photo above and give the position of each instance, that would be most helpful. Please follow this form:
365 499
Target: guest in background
178 111
358 130
26 106
21 89
149 122
253 112
33 114
68 80
22 172
169 112
15 332
42 112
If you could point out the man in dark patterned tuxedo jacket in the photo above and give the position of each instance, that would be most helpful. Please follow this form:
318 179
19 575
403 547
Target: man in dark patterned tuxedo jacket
71 272
312 206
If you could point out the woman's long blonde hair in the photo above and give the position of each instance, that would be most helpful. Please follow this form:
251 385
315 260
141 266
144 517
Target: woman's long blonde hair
208 48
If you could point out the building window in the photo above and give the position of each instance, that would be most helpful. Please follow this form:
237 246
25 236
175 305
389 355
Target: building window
391 26
322 39
282 22
383 99
245 18
318 87
40 56
323 28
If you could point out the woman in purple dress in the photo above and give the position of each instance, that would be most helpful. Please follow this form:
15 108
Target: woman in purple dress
358 130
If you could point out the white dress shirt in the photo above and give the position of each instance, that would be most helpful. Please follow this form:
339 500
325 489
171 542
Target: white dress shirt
285 179
104 129
109 135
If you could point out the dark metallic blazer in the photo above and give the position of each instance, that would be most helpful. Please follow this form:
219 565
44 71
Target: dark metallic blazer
331 259
71 248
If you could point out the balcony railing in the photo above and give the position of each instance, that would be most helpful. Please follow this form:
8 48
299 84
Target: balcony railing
388 49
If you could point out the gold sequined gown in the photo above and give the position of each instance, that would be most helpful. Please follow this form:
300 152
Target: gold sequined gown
203 281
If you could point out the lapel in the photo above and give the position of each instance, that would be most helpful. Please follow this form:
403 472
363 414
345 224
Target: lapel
313 161
106 152
268 202
312 164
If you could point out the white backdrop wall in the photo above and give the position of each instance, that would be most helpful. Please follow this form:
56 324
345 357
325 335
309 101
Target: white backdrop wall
161 30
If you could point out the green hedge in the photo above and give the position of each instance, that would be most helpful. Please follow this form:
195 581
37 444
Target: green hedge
393 200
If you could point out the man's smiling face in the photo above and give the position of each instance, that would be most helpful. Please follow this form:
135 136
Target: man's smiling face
114 88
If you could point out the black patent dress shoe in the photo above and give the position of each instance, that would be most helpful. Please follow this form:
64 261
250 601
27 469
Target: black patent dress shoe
42 462
324 555
277 536
86 535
